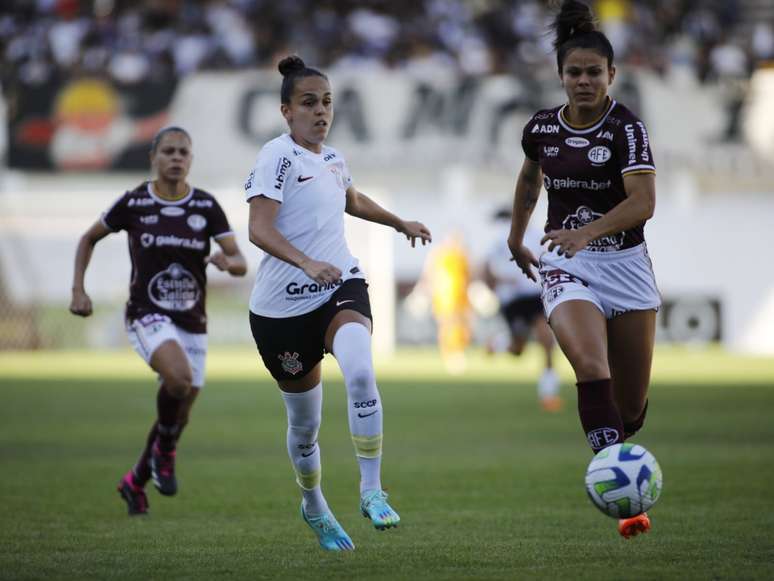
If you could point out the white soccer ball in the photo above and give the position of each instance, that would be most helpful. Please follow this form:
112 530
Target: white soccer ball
623 480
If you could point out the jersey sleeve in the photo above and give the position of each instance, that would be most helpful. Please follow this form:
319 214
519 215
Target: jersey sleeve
632 147
528 143
270 174
218 222
117 216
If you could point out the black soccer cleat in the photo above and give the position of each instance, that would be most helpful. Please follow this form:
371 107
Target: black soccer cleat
135 498
162 465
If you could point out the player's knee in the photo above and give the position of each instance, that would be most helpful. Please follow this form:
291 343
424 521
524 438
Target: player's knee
304 434
360 382
517 348
589 367
178 383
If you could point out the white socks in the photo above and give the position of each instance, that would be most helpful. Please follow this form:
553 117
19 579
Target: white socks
548 384
352 349
304 416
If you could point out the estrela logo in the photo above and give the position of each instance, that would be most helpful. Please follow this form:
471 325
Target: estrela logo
577 142
290 363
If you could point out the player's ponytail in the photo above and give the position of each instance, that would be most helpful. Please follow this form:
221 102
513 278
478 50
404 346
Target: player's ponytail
574 27
293 68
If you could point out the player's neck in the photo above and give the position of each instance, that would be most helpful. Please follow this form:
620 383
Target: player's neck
313 147
580 117
171 191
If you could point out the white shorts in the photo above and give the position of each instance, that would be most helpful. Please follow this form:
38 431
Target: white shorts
147 333
616 282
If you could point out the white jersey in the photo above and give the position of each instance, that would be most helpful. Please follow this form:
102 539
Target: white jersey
311 188
511 283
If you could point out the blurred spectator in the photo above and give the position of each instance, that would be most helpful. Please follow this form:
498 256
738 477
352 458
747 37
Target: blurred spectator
133 41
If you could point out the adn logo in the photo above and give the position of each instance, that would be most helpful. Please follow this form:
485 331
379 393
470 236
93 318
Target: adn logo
546 129
577 142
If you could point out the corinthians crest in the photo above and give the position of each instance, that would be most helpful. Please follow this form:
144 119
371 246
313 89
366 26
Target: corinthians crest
290 363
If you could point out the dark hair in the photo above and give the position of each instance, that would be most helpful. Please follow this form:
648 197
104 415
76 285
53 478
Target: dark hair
162 132
293 68
574 28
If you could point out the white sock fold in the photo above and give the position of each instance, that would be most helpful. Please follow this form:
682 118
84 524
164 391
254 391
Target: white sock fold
352 350
304 417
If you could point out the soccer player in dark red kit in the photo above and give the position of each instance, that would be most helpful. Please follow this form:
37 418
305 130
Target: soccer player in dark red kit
599 292
169 225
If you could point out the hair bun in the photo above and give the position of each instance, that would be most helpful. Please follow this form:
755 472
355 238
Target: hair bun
574 18
290 65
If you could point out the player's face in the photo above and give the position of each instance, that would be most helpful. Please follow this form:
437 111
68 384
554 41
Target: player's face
310 112
172 158
586 78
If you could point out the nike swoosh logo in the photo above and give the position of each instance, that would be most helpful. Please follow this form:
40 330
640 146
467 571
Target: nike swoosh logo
339 303
309 454
366 415
301 180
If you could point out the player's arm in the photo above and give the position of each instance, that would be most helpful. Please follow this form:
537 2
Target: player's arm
263 233
80 303
525 199
228 258
638 207
363 207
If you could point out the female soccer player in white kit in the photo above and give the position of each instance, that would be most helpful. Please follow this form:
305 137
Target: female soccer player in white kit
310 294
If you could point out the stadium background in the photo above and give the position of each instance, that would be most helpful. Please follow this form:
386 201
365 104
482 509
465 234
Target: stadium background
431 96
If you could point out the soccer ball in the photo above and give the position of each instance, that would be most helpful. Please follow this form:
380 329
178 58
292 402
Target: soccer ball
623 480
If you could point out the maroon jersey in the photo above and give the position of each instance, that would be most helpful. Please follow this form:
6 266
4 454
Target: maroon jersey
168 242
583 168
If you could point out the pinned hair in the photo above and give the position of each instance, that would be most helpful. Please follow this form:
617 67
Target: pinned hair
293 68
574 27
162 132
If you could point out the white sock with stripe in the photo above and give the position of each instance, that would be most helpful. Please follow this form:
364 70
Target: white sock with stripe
352 349
304 417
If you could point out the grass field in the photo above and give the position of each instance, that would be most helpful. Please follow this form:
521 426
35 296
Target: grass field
488 487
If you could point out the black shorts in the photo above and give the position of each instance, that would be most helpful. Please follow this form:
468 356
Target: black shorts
291 347
521 313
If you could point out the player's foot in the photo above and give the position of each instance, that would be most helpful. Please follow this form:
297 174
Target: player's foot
631 527
329 532
162 465
552 403
134 495
373 505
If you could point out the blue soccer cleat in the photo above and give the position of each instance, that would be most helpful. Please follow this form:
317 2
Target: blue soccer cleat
373 505
329 532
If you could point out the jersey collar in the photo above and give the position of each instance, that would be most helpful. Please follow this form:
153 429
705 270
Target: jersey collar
152 193
585 128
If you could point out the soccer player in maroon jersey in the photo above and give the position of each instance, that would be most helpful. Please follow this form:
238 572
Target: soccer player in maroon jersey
593 157
169 225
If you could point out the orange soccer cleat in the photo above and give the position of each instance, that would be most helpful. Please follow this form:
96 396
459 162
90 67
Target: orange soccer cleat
631 527
551 403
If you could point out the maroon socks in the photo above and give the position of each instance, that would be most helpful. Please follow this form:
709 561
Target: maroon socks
598 414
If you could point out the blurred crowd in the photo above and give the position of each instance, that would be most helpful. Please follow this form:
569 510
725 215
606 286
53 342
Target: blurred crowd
154 39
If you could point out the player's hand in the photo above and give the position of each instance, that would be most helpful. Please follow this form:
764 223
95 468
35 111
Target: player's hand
320 272
218 259
524 259
80 304
567 242
414 230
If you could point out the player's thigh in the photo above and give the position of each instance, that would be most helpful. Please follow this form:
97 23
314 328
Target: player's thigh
630 354
171 363
581 331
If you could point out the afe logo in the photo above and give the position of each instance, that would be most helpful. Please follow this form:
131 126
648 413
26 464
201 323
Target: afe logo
599 155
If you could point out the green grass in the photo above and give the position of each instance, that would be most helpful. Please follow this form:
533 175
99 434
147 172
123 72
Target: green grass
488 487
